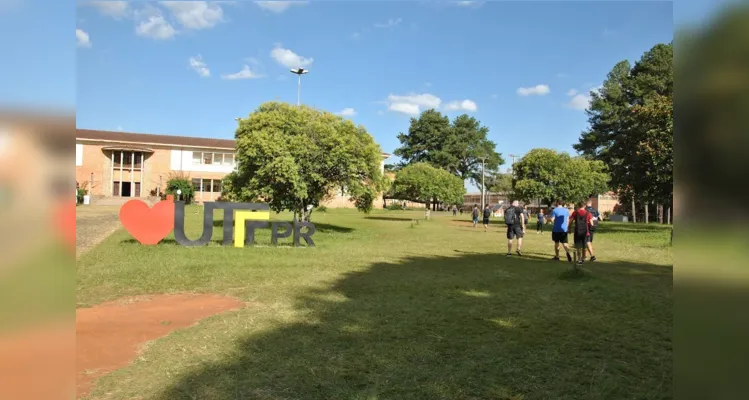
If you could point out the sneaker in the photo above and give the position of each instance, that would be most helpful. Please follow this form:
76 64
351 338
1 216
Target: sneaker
592 258
580 262
519 253
509 254
555 259
569 257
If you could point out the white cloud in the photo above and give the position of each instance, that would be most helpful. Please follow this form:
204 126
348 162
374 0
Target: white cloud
464 105
279 6
413 103
571 92
244 73
539 90
347 112
114 9
197 64
195 14
155 27
82 39
289 59
474 4
391 23
579 102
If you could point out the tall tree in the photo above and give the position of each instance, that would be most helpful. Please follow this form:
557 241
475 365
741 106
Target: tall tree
457 147
423 183
631 127
294 157
549 176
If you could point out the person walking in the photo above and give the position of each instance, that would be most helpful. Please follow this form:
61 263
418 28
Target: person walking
593 226
455 210
560 217
515 221
541 220
475 215
581 230
487 214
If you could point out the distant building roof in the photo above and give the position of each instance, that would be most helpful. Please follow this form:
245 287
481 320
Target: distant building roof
165 140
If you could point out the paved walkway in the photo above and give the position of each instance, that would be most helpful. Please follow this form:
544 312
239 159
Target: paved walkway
93 224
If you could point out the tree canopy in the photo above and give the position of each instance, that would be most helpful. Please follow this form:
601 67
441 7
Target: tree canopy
550 175
631 125
423 183
457 147
293 157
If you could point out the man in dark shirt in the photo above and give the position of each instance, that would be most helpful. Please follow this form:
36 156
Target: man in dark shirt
475 215
515 228
487 214
592 230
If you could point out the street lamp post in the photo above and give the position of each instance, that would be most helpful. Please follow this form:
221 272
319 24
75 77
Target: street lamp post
483 188
299 72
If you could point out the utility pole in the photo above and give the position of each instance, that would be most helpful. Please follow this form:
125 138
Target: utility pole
483 188
299 72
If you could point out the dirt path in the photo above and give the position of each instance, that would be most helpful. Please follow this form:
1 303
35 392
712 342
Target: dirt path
93 224
110 335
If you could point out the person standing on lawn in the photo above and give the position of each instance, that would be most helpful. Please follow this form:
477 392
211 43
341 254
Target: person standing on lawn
475 215
487 214
582 218
515 221
560 216
541 219
593 226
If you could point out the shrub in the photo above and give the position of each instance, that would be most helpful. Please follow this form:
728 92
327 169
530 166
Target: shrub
606 215
322 209
395 207
180 182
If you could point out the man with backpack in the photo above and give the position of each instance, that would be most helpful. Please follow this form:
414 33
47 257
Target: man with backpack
581 230
487 214
515 221
475 215
593 226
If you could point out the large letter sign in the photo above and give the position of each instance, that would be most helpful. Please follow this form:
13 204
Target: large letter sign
149 225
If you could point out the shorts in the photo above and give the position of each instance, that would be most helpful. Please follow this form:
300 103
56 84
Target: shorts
580 241
559 237
590 238
514 231
476 220
486 221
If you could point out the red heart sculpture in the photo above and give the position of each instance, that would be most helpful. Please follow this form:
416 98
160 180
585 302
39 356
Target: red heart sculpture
148 225
66 222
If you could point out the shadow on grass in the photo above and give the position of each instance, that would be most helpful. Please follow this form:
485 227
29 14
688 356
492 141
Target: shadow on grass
381 218
474 326
319 227
605 227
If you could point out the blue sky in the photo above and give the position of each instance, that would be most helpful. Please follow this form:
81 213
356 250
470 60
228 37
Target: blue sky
522 68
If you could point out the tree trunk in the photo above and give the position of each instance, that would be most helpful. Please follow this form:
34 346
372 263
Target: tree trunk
668 216
659 210
634 209
647 212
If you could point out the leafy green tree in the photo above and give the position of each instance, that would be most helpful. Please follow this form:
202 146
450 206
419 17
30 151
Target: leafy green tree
423 183
549 176
499 182
179 181
294 157
457 147
631 128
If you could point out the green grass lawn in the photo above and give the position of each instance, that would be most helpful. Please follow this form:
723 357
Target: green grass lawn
381 309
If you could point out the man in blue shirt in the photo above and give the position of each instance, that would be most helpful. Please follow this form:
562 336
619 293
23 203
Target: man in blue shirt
561 217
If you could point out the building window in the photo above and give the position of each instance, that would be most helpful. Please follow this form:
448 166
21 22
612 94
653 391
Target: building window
209 158
196 184
217 186
206 185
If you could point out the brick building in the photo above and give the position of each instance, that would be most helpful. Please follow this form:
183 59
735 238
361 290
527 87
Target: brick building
122 164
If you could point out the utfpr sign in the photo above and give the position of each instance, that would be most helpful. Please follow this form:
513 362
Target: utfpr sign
150 225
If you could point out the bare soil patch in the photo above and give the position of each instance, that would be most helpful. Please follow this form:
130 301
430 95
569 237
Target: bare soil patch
110 335
93 224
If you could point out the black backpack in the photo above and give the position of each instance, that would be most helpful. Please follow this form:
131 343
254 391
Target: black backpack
510 217
581 224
